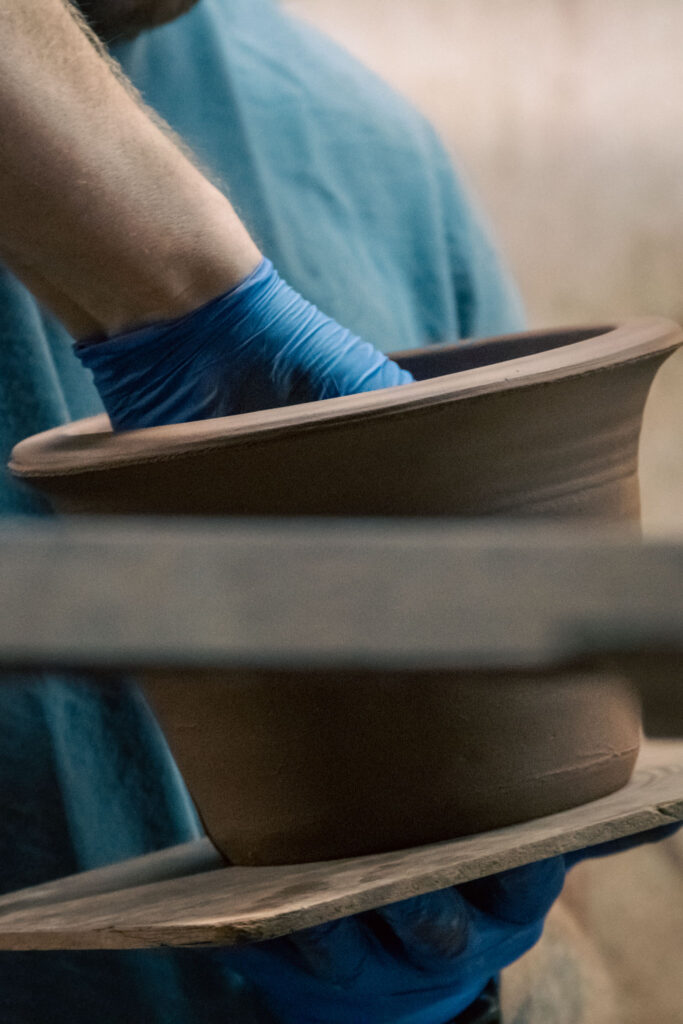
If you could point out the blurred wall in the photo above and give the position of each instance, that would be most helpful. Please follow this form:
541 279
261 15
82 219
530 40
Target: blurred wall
567 118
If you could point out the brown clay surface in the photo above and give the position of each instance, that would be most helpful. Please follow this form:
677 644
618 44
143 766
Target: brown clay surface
296 767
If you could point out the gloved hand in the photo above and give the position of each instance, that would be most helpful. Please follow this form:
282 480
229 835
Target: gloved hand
259 346
422 961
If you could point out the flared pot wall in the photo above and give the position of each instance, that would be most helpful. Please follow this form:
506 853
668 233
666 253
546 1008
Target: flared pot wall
537 424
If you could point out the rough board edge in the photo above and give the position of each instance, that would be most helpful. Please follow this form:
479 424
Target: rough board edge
277 901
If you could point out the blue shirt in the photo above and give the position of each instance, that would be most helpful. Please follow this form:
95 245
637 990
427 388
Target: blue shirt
350 193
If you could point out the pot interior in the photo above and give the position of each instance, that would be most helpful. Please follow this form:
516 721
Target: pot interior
439 360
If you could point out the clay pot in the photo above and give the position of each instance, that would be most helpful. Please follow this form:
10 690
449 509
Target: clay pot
290 767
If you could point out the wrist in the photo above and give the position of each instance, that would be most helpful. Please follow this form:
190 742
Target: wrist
171 264
174 287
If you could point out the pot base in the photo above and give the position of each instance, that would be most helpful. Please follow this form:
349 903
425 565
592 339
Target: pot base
298 767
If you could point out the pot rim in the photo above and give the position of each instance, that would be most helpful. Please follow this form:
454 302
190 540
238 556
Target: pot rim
89 445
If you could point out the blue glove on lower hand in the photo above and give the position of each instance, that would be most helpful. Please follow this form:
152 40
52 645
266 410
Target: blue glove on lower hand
259 346
422 961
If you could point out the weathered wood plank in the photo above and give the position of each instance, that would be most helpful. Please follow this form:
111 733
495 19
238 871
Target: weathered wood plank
235 905
181 861
106 594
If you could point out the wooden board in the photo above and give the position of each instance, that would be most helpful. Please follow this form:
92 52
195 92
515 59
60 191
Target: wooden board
227 906
374 594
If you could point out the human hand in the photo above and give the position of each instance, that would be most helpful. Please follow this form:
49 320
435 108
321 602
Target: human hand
421 961
259 346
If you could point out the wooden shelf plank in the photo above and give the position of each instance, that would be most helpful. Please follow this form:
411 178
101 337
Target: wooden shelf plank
145 903
107 594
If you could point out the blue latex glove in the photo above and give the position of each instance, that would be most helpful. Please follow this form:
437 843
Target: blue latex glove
259 346
421 961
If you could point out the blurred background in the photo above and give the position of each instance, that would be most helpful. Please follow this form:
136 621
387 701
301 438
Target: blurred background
566 118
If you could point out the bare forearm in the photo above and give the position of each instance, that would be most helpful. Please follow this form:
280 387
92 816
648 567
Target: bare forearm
104 217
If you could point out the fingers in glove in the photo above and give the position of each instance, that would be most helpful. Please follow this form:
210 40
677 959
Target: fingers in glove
430 930
335 952
521 895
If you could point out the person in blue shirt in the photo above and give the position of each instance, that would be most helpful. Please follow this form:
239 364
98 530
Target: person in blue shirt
113 236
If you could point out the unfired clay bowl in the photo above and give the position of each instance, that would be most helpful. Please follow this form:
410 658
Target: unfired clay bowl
290 767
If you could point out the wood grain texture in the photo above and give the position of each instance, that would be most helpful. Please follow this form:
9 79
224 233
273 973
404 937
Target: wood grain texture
227 906
331 594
